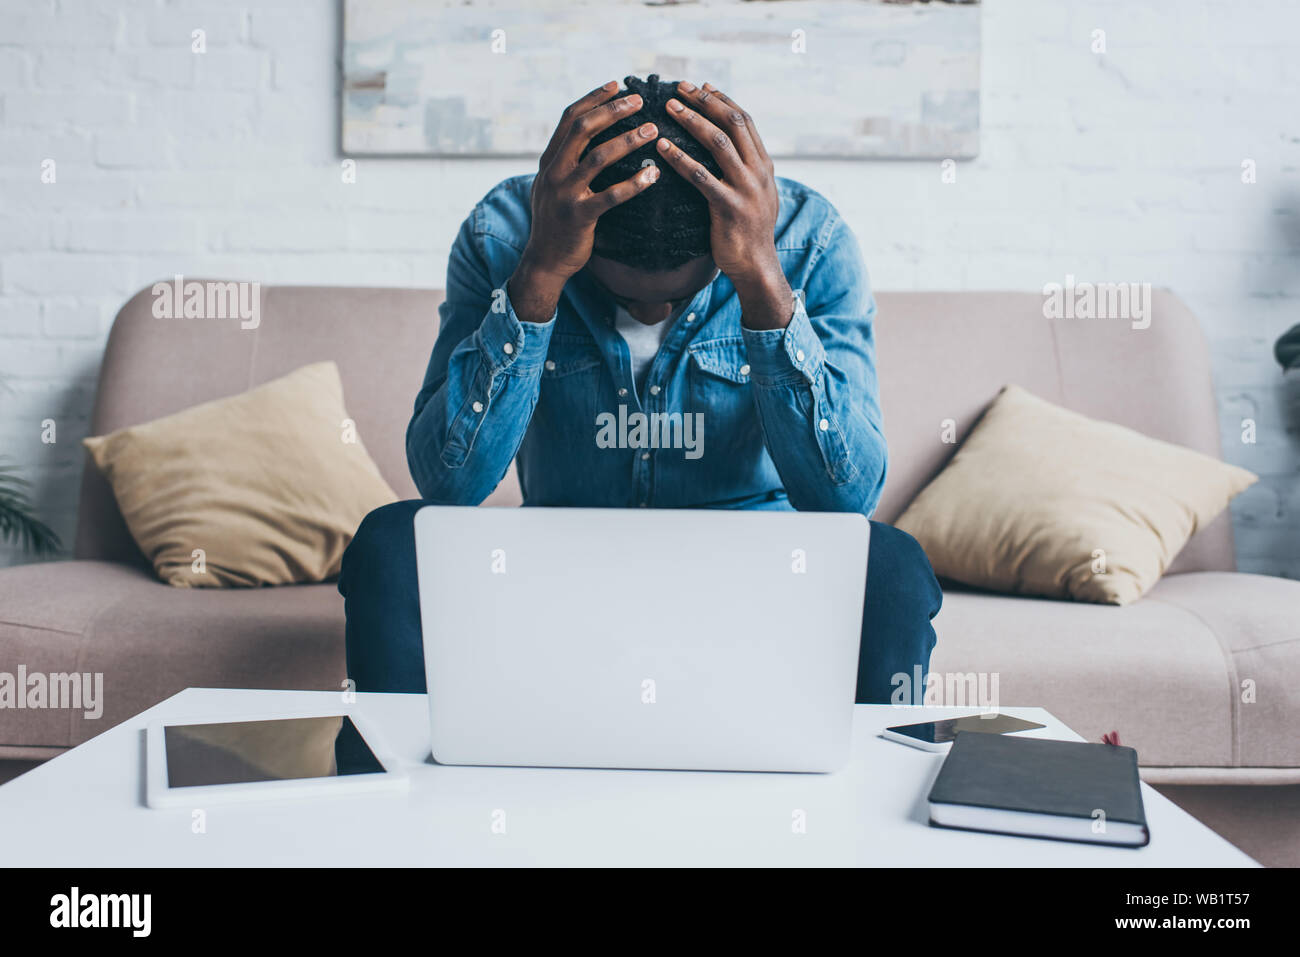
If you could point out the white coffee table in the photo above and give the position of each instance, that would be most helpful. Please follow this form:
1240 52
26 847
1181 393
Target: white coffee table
86 808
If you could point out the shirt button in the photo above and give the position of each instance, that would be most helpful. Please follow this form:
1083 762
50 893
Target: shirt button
823 425
644 456
622 392
744 370
655 390
550 365
478 406
508 349
690 317
798 356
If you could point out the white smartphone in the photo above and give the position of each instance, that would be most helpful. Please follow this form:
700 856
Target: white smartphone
255 758
939 735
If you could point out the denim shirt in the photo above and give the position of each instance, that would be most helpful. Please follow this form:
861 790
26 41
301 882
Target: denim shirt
729 416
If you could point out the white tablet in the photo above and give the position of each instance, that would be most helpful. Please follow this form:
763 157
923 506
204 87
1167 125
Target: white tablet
197 762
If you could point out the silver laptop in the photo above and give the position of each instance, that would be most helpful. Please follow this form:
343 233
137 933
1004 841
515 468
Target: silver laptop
626 638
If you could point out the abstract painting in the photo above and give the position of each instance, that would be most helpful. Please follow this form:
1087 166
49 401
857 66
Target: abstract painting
822 78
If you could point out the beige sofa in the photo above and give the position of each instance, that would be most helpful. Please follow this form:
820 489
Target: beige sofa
1167 673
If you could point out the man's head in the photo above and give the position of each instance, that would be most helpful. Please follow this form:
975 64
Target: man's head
654 248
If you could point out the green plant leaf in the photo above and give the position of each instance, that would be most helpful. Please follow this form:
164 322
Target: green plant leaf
17 523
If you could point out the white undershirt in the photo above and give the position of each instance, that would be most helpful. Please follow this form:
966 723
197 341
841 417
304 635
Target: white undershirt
643 342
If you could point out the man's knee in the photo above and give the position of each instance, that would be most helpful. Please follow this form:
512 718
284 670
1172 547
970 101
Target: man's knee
902 596
378 583
899 572
385 536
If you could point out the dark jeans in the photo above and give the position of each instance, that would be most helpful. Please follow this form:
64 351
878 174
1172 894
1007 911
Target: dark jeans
386 647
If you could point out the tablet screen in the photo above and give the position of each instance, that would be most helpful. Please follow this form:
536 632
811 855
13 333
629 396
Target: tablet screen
285 749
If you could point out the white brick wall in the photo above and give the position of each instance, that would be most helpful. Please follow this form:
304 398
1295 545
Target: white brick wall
1124 166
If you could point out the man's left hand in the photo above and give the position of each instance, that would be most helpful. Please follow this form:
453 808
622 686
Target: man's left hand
743 205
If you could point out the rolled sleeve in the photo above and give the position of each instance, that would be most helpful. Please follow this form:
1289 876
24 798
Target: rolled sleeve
507 349
794 358
782 356
815 388
481 384
510 345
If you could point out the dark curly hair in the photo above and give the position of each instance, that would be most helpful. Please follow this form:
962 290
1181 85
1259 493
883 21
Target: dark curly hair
668 224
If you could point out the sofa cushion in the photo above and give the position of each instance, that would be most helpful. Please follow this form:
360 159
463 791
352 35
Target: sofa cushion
1165 671
380 339
267 485
1041 500
150 640
1254 619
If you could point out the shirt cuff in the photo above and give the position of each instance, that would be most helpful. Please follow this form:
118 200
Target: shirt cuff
785 355
509 344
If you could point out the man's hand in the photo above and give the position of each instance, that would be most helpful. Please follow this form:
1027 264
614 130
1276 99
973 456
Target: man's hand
564 208
743 205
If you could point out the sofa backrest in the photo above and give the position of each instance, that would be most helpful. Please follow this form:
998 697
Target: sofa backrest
945 355
380 339
941 356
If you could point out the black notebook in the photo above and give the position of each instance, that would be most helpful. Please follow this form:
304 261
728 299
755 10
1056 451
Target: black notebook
1068 790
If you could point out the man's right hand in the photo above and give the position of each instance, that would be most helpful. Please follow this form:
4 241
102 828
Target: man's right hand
564 208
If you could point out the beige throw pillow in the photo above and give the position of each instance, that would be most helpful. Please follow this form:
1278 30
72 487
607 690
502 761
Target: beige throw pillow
262 488
1040 500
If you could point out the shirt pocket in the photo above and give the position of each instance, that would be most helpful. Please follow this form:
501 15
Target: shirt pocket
569 355
718 389
718 368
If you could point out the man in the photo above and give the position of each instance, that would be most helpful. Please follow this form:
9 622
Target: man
653 265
